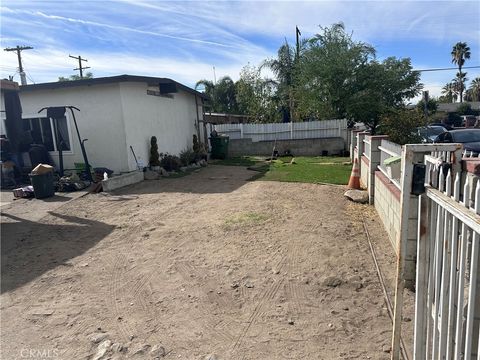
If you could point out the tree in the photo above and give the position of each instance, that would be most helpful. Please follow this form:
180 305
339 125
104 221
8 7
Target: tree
222 95
381 88
87 75
474 89
460 53
284 69
400 126
458 84
328 73
465 109
449 92
256 97
432 106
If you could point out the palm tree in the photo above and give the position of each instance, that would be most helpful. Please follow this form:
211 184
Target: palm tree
284 69
460 53
475 89
458 84
449 91
209 90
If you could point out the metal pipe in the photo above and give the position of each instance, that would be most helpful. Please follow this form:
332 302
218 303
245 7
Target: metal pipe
384 288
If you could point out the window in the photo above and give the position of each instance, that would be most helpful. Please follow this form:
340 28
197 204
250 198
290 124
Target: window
41 131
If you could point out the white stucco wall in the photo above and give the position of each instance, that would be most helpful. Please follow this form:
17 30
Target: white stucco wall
100 120
2 114
171 120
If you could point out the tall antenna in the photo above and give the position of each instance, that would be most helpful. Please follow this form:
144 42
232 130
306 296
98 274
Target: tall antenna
79 58
214 77
18 49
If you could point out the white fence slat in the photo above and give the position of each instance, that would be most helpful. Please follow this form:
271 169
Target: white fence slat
447 250
453 275
473 280
421 296
448 183
431 268
437 278
461 279
286 131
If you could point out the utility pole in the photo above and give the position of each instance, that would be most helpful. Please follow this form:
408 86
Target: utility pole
18 49
298 33
79 58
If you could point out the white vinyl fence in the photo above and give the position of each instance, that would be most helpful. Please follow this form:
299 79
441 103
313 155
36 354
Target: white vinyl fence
286 131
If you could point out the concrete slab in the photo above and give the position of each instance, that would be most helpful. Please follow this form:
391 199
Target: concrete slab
33 209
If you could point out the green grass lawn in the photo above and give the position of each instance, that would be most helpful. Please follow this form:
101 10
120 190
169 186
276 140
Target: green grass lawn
315 169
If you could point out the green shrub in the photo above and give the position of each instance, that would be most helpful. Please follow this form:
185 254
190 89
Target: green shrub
170 162
199 149
401 126
187 157
154 155
453 119
465 109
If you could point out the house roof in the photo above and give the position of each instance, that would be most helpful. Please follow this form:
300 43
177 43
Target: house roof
151 81
8 85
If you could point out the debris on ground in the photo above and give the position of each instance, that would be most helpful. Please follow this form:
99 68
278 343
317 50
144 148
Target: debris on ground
358 196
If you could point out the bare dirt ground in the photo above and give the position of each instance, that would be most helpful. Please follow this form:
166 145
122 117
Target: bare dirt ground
208 266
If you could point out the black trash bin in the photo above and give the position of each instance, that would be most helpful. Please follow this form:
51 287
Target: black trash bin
43 186
219 146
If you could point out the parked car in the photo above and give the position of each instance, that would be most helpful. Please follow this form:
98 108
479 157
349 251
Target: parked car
430 133
470 138
469 120
446 126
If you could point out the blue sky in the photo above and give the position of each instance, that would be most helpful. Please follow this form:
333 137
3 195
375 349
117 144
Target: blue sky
185 39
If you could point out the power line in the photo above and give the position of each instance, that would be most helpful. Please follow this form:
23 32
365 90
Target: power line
451 68
79 58
18 50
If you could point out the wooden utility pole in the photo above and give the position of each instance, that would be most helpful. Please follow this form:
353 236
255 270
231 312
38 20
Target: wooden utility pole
18 49
298 33
80 67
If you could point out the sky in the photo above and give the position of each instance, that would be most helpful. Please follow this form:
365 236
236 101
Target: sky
186 40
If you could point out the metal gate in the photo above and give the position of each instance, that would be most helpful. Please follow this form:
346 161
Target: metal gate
447 304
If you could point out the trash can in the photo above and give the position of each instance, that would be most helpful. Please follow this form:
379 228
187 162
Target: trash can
219 145
43 185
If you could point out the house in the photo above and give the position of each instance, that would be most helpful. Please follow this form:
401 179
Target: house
117 114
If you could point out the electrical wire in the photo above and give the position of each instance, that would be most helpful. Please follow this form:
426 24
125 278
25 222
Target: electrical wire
451 68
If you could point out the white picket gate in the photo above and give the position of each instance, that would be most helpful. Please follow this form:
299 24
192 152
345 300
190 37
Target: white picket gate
447 272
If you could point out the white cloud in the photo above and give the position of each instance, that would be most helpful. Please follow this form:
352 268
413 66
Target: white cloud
48 64
183 40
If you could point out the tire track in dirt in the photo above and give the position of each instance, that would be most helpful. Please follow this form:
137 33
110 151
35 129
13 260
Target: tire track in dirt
268 295
206 320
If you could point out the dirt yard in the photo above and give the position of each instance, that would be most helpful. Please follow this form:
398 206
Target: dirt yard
208 266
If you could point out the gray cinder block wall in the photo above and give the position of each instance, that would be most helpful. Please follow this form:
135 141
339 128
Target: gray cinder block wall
298 147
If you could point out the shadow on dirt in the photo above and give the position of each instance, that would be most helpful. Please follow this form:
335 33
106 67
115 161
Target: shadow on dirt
29 248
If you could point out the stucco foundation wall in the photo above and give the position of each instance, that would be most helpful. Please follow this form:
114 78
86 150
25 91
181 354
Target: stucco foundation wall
171 120
387 204
299 147
100 120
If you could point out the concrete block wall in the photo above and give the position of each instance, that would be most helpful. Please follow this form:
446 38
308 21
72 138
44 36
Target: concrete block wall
298 147
387 204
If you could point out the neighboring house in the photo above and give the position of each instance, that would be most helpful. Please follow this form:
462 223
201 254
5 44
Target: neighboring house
452 107
116 113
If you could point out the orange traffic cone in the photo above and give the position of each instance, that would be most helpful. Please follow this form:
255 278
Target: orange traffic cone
354 182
